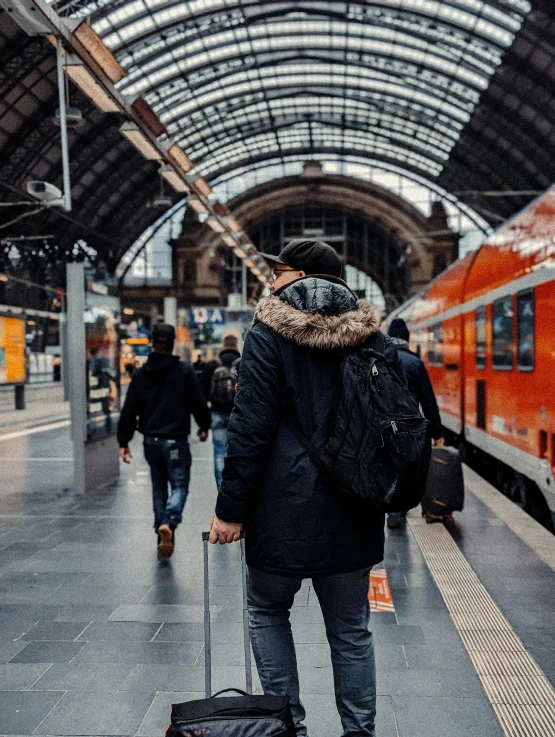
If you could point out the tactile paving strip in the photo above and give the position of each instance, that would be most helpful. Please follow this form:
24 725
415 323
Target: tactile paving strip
520 694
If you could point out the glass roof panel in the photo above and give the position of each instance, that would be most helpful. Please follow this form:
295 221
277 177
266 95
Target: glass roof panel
235 82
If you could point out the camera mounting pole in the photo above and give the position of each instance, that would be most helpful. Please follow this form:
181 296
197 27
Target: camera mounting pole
63 126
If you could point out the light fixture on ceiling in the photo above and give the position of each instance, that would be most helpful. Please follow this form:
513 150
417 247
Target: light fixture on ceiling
202 185
233 225
128 311
79 73
215 224
101 54
173 178
197 205
239 252
249 263
181 158
229 240
140 141
256 271
4 278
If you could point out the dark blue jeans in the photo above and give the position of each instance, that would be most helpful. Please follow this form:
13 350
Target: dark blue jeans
220 421
344 602
170 463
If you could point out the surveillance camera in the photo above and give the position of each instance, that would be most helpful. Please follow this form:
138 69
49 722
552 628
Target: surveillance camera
45 192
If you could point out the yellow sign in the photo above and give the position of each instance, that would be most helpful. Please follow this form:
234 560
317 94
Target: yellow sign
12 350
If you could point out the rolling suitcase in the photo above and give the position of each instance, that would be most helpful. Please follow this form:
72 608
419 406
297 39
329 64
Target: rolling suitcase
445 486
244 715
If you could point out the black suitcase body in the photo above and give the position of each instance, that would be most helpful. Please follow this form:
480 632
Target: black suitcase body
445 486
245 715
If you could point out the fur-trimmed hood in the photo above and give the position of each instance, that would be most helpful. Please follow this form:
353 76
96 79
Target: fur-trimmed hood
316 313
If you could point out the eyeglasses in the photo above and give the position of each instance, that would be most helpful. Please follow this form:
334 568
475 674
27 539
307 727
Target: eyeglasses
276 273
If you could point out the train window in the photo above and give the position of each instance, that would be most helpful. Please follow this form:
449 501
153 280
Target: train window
502 332
481 338
435 346
525 330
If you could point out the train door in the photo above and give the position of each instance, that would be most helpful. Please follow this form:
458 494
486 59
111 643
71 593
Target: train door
452 365
475 353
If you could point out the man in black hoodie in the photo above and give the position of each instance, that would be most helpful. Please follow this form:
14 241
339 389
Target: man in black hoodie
162 395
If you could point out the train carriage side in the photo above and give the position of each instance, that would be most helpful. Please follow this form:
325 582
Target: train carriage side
437 327
509 361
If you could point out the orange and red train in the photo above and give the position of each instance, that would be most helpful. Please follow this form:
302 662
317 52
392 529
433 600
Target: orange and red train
485 329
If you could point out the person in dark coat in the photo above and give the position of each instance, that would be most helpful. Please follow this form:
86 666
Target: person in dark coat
420 386
162 395
296 525
222 396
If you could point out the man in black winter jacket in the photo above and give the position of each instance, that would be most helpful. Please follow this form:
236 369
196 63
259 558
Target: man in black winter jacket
297 526
420 386
162 395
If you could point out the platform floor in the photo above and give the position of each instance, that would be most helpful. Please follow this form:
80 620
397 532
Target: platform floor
97 637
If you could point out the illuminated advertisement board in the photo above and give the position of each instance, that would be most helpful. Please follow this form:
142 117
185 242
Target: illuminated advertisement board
13 369
102 317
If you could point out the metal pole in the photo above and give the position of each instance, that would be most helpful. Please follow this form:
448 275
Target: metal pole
244 283
63 127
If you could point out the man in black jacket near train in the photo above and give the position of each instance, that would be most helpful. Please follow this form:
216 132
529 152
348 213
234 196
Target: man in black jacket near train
420 386
162 395
297 525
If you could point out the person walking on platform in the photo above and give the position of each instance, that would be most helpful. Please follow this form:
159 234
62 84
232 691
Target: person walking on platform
297 526
162 395
421 387
223 385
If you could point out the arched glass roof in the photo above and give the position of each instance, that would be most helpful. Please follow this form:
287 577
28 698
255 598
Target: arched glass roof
238 82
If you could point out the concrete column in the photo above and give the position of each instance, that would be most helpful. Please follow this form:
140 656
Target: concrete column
76 373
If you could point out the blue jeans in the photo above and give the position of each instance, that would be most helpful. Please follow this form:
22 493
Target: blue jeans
220 421
344 602
170 463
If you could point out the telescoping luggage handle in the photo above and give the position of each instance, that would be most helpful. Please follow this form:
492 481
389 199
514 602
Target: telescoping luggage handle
246 635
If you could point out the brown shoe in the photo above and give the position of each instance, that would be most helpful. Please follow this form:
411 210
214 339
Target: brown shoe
165 541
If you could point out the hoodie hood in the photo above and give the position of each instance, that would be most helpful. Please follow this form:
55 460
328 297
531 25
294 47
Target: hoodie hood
317 313
160 363
229 356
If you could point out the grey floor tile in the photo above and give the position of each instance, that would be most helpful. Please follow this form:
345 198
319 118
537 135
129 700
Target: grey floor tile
403 634
538 636
139 652
429 682
439 657
309 633
322 719
545 658
119 631
84 677
97 713
386 725
316 680
157 613
433 716
55 631
10 648
86 613
20 676
48 652
169 677
158 716
190 632
22 711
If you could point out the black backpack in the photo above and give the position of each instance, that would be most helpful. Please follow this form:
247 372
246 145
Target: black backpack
224 384
379 446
